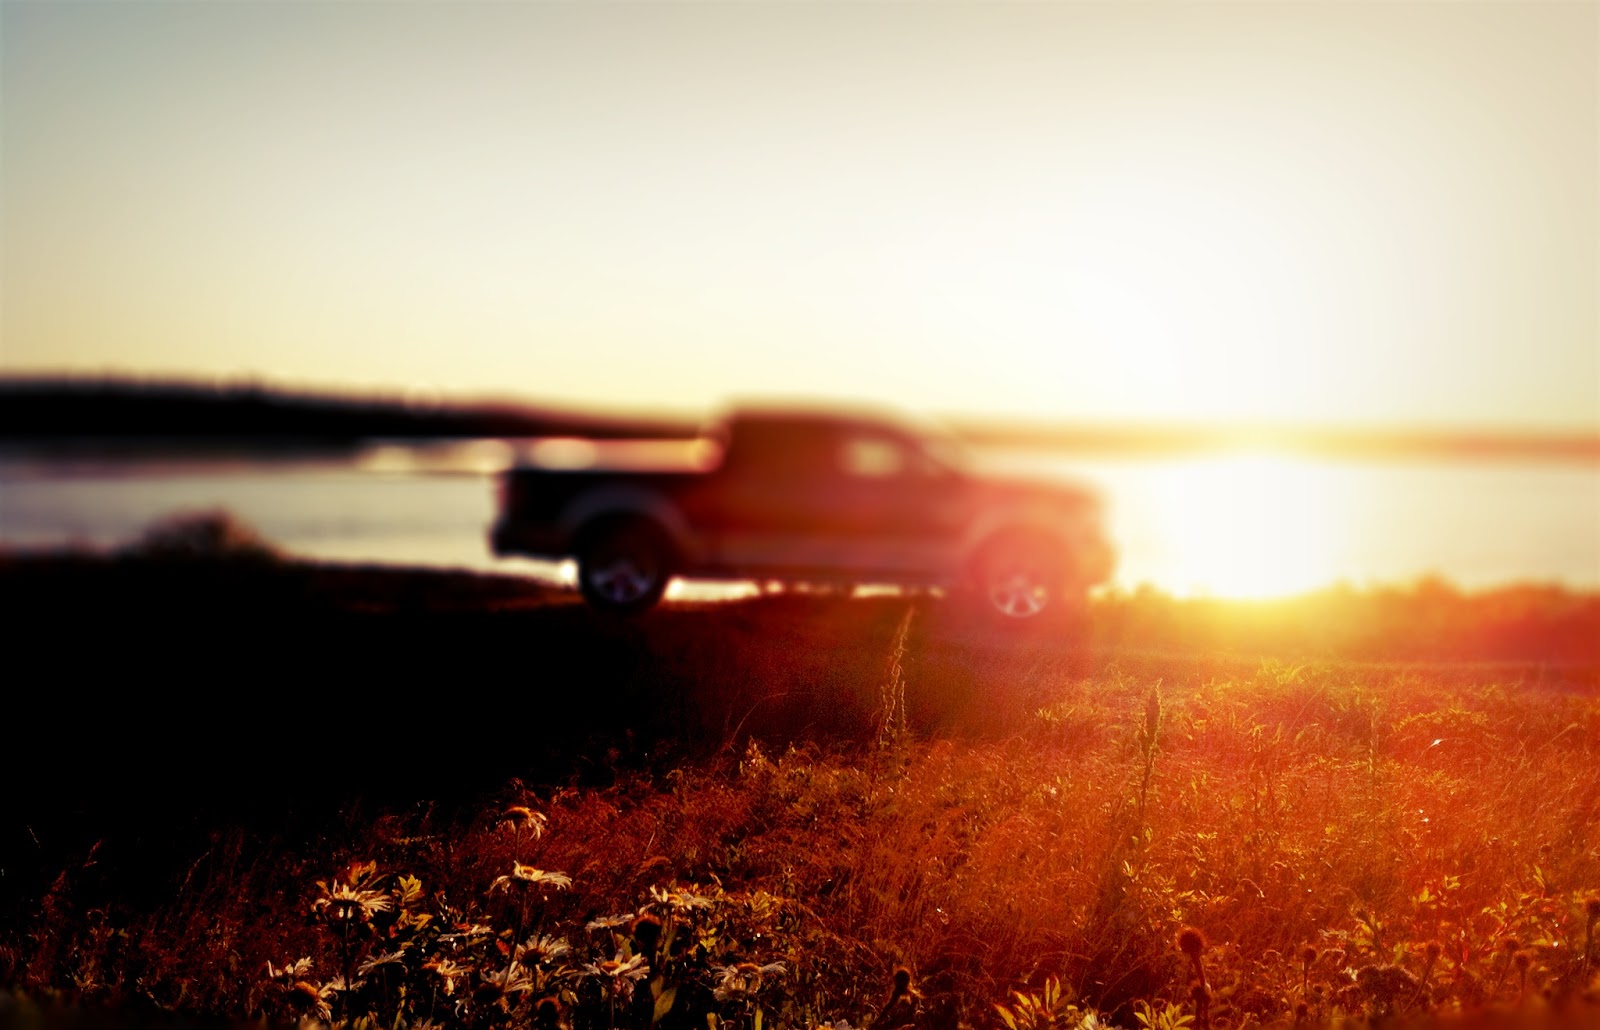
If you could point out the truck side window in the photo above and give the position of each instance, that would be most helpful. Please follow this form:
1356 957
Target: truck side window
872 457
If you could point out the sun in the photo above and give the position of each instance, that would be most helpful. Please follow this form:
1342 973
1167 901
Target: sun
1248 526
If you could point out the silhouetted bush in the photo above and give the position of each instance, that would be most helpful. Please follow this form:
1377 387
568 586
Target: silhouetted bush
201 536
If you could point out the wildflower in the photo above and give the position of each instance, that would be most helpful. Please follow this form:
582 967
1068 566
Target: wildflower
619 973
307 997
447 971
498 988
290 972
609 922
679 901
466 933
339 986
527 876
521 817
344 904
543 948
743 980
392 958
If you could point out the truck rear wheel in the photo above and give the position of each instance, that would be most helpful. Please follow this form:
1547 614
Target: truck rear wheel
624 566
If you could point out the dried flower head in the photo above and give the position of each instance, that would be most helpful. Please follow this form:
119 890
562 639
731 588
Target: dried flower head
647 931
1308 955
1510 945
1523 958
902 980
1191 942
1432 950
1591 908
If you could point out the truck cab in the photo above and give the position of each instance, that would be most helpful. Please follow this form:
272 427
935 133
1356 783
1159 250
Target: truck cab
813 496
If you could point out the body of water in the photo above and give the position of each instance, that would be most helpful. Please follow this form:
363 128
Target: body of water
1228 525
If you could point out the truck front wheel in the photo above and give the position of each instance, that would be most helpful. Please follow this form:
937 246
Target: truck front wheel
623 566
1022 580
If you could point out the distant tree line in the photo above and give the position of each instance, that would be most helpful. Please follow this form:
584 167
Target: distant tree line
188 413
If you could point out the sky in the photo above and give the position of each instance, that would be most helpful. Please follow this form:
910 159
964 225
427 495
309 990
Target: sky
1350 213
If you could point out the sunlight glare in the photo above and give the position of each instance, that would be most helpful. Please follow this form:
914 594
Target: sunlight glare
1248 526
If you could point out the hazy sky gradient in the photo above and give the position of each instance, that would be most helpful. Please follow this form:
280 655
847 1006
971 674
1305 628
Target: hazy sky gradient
1348 212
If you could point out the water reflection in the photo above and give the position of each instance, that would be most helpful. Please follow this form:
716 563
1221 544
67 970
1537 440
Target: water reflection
1239 525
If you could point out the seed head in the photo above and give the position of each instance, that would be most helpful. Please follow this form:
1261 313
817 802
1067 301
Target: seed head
1432 950
1523 959
902 979
1308 955
1510 944
1592 908
547 1013
647 930
1191 942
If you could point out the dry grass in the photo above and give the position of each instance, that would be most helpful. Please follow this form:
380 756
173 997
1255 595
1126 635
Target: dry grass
1355 807
1435 847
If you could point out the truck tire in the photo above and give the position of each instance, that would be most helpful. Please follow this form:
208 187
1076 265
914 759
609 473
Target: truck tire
1021 580
624 565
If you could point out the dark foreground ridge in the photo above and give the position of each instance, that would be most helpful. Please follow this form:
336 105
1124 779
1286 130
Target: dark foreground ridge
198 745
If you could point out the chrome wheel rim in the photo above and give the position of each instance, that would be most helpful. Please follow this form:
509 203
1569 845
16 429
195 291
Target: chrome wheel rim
622 580
1019 595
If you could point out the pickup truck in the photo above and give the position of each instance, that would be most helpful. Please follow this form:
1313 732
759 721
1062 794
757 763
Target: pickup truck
792 496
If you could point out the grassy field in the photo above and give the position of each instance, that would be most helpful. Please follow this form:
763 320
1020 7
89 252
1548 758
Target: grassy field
248 788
